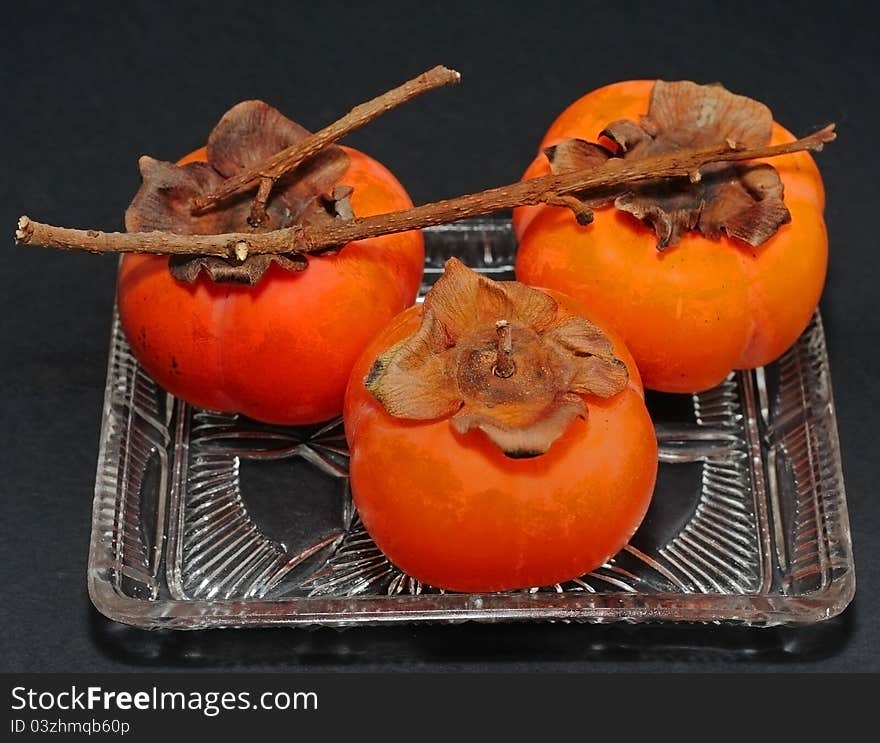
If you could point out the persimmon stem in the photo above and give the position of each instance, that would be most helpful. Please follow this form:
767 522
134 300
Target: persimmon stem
504 366
614 176
266 173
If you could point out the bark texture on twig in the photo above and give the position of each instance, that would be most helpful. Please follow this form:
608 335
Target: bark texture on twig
614 176
271 170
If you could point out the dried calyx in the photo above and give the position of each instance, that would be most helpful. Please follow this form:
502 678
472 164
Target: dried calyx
500 357
248 134
743 201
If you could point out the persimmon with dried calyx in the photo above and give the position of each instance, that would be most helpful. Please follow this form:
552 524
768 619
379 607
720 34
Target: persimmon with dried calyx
499 439
270 336
700 276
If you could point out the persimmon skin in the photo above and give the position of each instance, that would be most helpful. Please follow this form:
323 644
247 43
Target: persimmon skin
280 351
453 511
699 309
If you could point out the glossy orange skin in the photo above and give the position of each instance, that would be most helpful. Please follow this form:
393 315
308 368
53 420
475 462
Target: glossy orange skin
697 310
455 512
282 350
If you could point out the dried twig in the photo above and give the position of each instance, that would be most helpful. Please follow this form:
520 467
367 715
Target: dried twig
266 173
615 175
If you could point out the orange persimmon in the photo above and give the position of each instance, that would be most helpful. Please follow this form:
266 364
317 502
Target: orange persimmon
478 471
279 350
709 302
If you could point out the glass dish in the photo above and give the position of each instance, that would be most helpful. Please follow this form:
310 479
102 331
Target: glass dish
203 519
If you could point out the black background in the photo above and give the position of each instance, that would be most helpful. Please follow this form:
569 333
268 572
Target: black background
87 87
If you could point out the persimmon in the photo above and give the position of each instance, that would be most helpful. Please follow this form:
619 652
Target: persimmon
743 251
274 337
499 439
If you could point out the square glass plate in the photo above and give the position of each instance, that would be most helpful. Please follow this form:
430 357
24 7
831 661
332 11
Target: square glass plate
204 519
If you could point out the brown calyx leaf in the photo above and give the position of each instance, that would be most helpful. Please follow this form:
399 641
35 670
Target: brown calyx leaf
249 271
743 201
518 434
576 154
500 357
247 134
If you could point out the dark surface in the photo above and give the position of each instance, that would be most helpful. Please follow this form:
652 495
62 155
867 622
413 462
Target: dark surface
87 90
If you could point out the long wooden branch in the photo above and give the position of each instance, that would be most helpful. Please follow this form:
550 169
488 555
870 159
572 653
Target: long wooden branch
614 176
266 173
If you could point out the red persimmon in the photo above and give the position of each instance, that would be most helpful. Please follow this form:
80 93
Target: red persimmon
279 350
744 258
498 439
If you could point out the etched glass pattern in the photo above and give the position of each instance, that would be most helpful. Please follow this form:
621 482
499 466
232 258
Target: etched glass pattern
208 519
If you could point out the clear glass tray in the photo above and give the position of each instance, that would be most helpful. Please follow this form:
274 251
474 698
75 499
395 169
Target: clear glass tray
204 519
